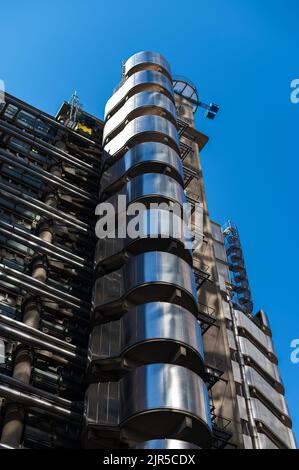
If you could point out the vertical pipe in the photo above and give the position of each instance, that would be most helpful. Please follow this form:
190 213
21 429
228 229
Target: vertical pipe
13 427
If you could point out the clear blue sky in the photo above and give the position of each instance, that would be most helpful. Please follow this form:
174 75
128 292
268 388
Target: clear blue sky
242 54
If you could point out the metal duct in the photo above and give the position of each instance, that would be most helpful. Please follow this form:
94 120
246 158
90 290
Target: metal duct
153 157
159 408
145 346
150 333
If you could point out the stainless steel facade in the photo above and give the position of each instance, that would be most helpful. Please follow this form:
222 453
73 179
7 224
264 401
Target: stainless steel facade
159 409
134 341
261 405
152 353
49 182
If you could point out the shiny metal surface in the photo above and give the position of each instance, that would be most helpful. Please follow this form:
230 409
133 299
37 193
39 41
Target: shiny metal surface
157 229
163 386
274 425
153 156
156 186
104 342
139 81
244 322
150 333
161 320
146 345
262 317
101 405
265 442
248 349
166 392
255 380
152 276
165 444
145 59
146 102
152 402
160 267
142 129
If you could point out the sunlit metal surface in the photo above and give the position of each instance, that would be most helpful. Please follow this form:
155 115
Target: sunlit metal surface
147 58
166 444
274 425
248 349
244 322
157 229
143 158
149 403
262 318
265 442
161 320
254 379
150 333
146 102
145 346
146 128
139 81
151 276
160 388
154 186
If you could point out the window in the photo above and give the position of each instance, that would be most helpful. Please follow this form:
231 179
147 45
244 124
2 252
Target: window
26 119
245 428
239 389
223 274
31 122
10 111
217 232
234 355
219 251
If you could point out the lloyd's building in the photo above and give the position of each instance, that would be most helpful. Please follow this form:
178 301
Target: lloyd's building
144 340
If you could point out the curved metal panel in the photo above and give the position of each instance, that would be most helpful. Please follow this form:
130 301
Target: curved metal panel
255 380
262 319
160 267
148 277
244 322
275 426
161 320
150 333
143 80
165 444
151 185
166 394
147 58
153 402
248 349
146 157
157 229
141 129
265 443
146 102
158 322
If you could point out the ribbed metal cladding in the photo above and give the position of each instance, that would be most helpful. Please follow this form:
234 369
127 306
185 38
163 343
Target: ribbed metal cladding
146 364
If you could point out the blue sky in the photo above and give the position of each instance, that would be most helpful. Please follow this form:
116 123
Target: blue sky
242 54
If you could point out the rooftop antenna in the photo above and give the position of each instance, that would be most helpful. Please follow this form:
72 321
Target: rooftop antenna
76 106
